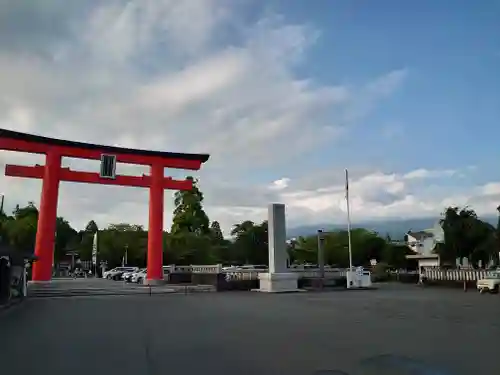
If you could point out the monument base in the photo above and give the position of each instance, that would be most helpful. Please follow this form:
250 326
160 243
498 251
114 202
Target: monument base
278 282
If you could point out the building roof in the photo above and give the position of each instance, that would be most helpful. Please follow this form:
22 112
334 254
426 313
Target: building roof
420 235
9 134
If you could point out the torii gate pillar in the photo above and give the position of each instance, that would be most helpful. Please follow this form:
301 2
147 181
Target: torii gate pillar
155 234
46 229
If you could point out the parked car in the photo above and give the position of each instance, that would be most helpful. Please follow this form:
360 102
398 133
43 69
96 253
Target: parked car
139 276
126 276
116 273
491 283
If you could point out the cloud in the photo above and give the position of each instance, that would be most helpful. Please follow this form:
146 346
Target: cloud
374 195
192 76
425 173
280 184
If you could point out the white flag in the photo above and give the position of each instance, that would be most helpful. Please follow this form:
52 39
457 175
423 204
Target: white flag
94 249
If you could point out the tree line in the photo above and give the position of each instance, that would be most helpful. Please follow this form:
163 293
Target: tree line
194 239
466 236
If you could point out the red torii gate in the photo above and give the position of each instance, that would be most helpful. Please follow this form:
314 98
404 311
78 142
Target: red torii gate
52 173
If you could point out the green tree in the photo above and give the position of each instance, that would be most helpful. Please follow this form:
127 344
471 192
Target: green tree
66 238
216 232
189 216
4 219
91 227
303 250
466 236
454 227
123 240
21 229
366 245
221 248
497 235
190 237
186 248
28 210
395 256
250 243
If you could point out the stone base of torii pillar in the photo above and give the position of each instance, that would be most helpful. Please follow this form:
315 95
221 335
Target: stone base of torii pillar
279 279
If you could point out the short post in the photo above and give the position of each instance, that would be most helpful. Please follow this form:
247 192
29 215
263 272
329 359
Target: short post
465 286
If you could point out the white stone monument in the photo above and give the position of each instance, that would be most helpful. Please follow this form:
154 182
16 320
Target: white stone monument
279 279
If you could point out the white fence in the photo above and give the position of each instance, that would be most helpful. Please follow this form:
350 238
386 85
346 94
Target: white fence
438 274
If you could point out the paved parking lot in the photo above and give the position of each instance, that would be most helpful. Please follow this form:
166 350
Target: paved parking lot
250 333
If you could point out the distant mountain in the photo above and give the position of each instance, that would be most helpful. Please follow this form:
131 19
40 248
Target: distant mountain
396 228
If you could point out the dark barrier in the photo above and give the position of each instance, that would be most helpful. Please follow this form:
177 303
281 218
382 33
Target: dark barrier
408 278
402 277
222 284
206 279
180 278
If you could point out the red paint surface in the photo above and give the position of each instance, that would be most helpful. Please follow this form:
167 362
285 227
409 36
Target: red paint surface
40 148
155 228
45 234
66 174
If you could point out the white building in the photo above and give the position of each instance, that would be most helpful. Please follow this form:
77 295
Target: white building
423 243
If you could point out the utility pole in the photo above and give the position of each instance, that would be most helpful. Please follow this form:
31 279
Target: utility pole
1 204
321 256
125 257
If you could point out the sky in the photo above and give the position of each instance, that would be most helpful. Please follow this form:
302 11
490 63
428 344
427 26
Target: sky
283 94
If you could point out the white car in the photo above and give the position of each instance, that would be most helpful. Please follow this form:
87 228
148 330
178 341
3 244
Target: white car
491 283
139 276
116 273
126 276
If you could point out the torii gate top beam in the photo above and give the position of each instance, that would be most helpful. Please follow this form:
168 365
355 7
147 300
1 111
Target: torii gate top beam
36 144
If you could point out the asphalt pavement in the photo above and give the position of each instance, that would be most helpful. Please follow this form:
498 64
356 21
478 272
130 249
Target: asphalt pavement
250 333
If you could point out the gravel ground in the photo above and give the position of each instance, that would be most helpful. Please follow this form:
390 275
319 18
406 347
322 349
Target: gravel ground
250 333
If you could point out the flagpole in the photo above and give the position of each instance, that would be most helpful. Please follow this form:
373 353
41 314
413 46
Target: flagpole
348 218
94 253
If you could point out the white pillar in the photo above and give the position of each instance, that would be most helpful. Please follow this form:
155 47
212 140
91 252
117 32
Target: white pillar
277 238
279 278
